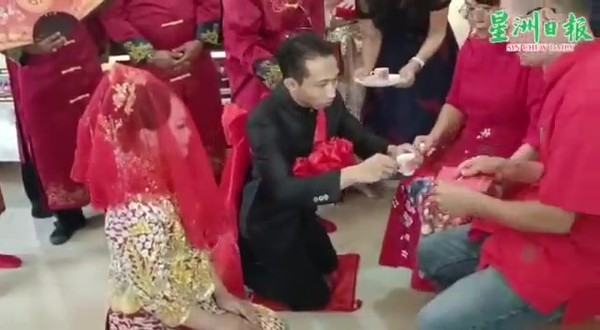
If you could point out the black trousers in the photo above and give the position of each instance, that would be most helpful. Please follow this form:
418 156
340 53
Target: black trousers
31 184
296 276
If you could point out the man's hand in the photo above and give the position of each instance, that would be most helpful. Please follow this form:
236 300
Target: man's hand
164 59
376 168
482 165
188 52
395 151
47 45
347 4
239 307
454 200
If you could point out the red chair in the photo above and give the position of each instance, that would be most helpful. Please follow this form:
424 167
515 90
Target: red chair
6 261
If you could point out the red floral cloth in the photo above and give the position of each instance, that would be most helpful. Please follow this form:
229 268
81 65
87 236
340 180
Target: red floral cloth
327 154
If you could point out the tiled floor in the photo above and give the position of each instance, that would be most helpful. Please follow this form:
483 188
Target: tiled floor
63 288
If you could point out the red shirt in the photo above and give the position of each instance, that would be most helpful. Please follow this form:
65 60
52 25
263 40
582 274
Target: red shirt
543 269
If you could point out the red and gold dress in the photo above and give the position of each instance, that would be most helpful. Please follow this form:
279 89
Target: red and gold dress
171 243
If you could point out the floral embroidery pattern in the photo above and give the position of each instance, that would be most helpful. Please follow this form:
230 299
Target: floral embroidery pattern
210 33
139 50
269 72
484 134
144 321
484 145
10 11
61 197
152 264
124 96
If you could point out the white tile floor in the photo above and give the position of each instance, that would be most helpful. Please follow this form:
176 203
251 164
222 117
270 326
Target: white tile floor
63 288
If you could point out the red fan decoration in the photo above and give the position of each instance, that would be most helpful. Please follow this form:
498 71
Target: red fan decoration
24 21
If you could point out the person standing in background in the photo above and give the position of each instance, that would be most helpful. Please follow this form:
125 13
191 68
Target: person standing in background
344 33
57 76
29 175
413 38
172 40
253 32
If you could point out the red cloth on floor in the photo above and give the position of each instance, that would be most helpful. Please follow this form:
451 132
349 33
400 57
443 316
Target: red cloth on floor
329 226
343 298
9 262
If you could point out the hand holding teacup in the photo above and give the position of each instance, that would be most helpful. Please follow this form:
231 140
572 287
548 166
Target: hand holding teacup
408 158
425 144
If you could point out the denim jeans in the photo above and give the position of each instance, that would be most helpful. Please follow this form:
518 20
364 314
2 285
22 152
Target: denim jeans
470 299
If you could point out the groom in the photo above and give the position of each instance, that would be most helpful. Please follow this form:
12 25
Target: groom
286 253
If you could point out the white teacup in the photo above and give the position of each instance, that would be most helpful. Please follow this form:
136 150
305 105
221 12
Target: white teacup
382 73
406 164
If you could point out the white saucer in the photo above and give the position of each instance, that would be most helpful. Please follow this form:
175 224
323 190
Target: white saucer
374 81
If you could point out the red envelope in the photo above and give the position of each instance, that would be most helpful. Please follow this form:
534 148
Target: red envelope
481 183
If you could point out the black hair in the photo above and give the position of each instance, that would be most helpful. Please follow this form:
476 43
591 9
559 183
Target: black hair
583 7
295 51
53 22
494 3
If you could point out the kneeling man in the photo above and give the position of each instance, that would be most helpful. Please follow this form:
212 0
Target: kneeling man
287 255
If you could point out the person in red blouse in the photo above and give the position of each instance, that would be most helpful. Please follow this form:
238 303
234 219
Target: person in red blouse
480 117
545 251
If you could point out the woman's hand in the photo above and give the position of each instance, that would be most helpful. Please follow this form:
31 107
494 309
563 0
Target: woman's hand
426 144
482 165
164 59
230 321
239 307
408 74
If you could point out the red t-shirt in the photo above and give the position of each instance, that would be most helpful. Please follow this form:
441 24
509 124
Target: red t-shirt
548 270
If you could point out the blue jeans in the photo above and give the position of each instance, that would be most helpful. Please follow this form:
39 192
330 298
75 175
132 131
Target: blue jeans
470 299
